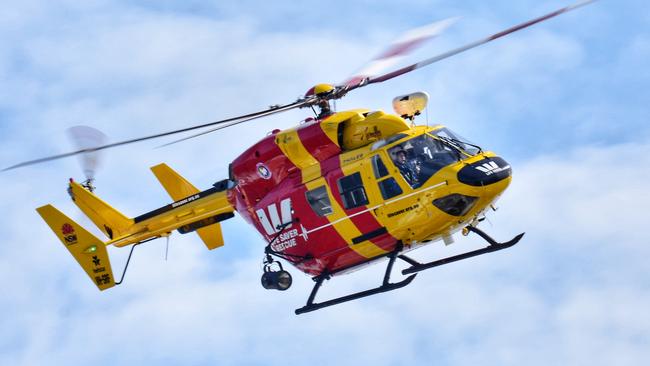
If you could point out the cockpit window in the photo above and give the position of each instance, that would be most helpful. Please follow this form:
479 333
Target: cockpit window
389 140
394 138
455 139
387 184
421 157
378 167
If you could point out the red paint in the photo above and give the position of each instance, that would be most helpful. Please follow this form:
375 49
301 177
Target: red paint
67 229
317 143
329 250
365 222
402 48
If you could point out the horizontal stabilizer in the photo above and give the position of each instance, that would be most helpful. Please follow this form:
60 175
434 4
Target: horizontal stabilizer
178 188
90 252
211 236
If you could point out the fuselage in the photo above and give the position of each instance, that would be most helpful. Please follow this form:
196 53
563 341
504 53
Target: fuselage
336 193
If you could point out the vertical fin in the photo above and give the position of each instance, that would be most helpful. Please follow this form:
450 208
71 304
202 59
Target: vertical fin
90 252
178 188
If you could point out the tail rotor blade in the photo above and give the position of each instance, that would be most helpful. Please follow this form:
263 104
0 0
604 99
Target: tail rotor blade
87 138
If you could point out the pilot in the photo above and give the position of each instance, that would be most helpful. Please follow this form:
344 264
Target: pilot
408 168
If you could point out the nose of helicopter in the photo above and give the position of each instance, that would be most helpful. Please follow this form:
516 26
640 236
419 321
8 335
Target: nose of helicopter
485 172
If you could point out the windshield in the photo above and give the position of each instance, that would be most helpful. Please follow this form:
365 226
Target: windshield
421 157
453 138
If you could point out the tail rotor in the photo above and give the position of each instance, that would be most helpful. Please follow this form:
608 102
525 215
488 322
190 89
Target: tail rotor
88 139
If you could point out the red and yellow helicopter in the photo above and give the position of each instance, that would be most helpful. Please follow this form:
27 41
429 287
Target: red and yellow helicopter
334 193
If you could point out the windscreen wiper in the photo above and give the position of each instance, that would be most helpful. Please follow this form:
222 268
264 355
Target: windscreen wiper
457 144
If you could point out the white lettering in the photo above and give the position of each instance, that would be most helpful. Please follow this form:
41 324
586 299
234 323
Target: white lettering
284 245
275 224
185 200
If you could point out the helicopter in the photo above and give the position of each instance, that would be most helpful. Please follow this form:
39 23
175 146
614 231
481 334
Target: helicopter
335 193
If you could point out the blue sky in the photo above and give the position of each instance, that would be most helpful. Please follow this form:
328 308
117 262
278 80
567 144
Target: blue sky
566 102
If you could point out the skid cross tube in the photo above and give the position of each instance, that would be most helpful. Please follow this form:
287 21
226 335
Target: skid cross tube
493 247
385 287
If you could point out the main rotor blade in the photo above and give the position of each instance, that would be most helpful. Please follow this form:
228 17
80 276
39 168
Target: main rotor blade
429 61
239 119
306 102
404 45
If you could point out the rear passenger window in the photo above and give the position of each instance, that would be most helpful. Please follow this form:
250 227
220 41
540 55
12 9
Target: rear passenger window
352 192
319 201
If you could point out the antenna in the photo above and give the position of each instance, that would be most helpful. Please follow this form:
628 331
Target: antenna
167 247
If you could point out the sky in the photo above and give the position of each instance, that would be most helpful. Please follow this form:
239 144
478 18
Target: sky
565 102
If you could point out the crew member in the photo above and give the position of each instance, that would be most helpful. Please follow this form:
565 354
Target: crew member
408 168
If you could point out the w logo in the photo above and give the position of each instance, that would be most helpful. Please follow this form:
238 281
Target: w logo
275 224
490 167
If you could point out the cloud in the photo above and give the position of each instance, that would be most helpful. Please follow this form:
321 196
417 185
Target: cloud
572 292
573 285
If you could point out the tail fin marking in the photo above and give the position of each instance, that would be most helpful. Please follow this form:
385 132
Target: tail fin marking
87 250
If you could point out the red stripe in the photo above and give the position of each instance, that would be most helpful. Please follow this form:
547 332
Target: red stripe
393 74
365 222
527 24
329 249
316 142
402 48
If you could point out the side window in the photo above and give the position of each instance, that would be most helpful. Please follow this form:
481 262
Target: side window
387 184
352 192
378 167
389 188
319 201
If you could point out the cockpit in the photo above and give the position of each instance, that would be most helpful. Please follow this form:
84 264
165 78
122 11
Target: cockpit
421 157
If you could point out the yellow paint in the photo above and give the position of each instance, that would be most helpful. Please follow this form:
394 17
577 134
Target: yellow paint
107 219
178 188
409 217
331 124
86 249
374 127
289 142
321 89
156 226
344 226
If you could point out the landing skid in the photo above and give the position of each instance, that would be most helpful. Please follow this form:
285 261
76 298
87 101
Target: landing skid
385 287
493 247
415 267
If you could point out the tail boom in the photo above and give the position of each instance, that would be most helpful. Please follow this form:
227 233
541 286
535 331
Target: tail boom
210 204
193 210
200 211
